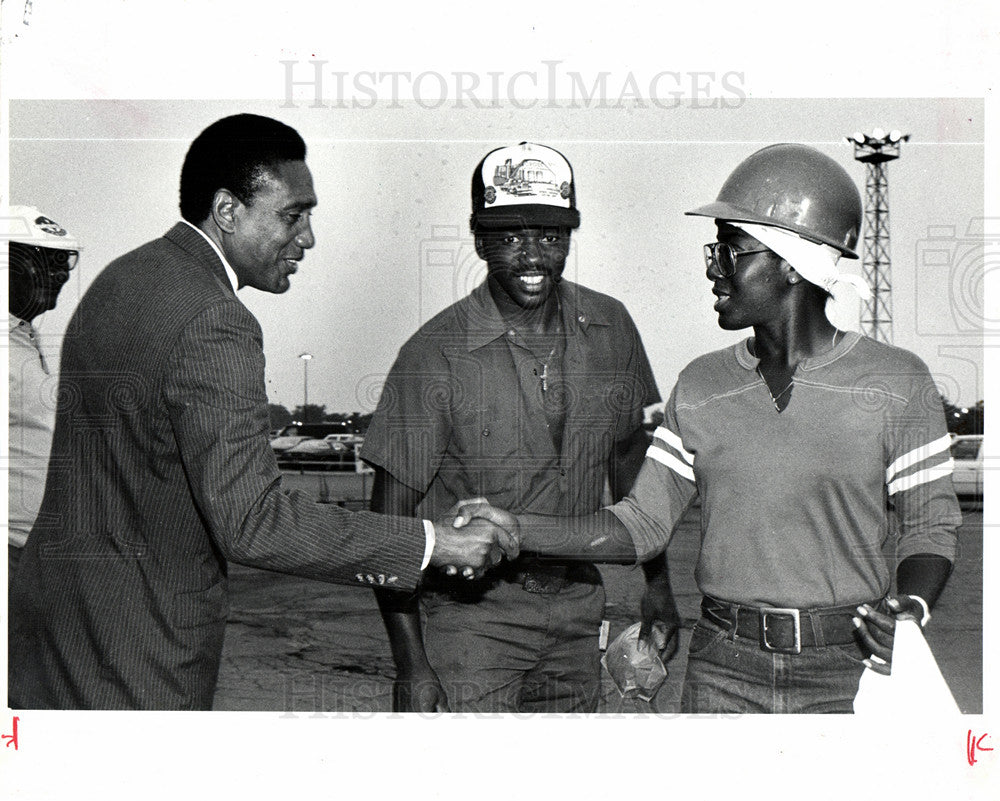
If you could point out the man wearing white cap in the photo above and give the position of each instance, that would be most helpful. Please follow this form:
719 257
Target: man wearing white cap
525 392
41 254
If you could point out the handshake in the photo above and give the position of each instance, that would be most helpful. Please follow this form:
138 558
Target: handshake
474 536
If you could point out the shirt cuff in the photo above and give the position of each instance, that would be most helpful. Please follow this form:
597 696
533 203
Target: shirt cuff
429 547
647 537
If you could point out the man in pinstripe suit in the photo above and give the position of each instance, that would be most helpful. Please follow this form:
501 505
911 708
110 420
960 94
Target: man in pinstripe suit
160 469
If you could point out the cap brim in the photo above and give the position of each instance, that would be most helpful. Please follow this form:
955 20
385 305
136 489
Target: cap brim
48 242
19 225
525 216
724 211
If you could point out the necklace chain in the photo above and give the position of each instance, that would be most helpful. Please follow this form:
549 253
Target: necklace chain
544 377
774 398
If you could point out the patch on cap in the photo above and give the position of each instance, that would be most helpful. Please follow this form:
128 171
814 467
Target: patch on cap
525 184
28 226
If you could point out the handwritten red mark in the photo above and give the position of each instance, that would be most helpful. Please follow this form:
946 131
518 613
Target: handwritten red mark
972 745
11 738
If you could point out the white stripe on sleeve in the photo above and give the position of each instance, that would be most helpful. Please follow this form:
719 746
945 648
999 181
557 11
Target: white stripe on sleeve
922 477
669 437
917 455
657 453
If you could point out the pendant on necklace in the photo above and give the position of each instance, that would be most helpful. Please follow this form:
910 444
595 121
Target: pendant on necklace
774 398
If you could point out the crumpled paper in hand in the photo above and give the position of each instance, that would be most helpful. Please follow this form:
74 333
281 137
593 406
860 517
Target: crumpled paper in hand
636 669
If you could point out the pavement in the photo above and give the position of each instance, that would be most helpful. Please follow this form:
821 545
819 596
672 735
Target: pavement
307 648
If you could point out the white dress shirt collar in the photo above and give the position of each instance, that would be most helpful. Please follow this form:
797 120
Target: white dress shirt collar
230 273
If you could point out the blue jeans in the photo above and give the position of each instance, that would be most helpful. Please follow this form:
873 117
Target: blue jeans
732 675
517 651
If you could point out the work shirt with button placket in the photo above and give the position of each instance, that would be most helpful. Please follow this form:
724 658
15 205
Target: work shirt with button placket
463 412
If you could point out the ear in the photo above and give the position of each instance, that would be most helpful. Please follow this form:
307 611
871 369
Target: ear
224 205
481 247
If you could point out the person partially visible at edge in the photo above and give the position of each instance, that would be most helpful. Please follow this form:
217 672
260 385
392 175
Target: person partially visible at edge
529 392
808 447
161 471
41 255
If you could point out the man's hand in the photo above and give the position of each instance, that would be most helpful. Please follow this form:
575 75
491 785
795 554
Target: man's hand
476 511
418 690
508 534
661 621
474 536
475 546
878 630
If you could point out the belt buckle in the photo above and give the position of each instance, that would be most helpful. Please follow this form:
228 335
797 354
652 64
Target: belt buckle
542 583
774 611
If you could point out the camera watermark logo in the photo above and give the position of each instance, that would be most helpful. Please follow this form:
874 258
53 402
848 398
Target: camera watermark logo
448 264
971 260
450 269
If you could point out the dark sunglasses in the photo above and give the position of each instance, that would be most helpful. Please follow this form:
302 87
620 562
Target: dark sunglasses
724 255
53 258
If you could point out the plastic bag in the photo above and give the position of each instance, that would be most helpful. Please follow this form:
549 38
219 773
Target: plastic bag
636 670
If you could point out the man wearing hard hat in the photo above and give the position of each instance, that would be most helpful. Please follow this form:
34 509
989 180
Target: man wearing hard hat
806 445
41 254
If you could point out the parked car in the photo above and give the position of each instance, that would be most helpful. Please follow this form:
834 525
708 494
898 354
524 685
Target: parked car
294 433
967 451
333 452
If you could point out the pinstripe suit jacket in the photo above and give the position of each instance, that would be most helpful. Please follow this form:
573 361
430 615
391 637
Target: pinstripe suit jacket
161 472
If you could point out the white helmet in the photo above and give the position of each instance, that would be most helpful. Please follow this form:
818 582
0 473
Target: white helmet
28 226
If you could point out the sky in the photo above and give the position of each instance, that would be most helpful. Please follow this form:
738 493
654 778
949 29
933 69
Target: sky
392 241
99 100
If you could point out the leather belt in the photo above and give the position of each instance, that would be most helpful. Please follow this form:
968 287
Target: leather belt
784 630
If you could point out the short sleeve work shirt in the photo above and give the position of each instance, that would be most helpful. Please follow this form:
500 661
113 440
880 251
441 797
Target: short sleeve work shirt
462 413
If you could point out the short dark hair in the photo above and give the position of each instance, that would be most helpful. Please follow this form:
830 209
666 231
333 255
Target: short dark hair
235 153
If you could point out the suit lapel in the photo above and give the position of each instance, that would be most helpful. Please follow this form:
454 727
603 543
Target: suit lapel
186 238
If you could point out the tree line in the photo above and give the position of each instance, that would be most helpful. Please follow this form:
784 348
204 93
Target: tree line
960 419
280 416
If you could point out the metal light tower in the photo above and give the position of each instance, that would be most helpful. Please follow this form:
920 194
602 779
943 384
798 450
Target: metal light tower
876 150
306 357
